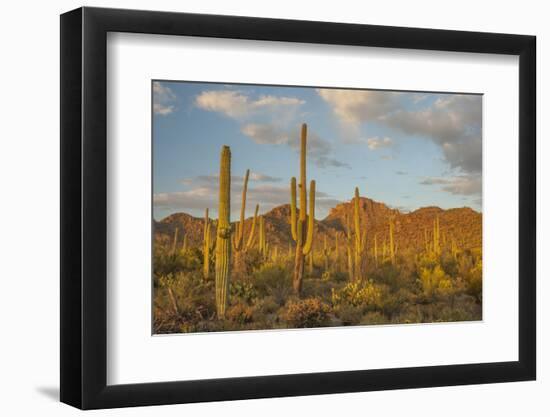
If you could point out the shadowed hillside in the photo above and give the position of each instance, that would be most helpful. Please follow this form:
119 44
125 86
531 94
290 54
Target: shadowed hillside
463 225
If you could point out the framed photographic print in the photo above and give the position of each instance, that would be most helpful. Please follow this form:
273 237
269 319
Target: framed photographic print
257 208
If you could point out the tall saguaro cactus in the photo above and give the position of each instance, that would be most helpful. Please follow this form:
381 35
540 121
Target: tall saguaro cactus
349 250
358 238
436 244
262 240
175 242
392 244
302 226
326 254
223 241
206 245
375 250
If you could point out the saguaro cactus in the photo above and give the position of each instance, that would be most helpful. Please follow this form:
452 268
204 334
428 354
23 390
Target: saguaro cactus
454 249
238 238
359 241
326 253
206 245
175 242
262 240
349 250
184 246
375 250
223 241
392 244
426 242
436 245
302 227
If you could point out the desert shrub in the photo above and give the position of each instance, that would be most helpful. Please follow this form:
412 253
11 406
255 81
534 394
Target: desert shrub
268 305
310 312
182 299
316 288
365 294
449 264
395 277
334 276
243 290
393 303
273 280
240 313
253 260
435 282
426 261
349 315
172 263
474 286
373 317
167 264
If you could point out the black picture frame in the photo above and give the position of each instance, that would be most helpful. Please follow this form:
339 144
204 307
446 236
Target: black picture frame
84 207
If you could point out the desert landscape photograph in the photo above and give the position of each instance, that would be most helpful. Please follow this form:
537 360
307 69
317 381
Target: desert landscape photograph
281 207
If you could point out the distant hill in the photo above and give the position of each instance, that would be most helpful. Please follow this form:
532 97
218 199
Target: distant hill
463 225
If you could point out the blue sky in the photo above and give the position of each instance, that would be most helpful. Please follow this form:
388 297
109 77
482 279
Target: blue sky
405 149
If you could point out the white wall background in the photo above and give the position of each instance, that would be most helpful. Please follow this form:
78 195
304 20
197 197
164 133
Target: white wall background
29 226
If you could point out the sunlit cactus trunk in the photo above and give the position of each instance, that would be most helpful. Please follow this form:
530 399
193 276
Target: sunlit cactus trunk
392 244
349 247
336 252
238 238
223 241
175 242
358 238
240 246
436 244
426 242
275 254
302 226
375 250
262 246
454 249
326 254
206 246
184 246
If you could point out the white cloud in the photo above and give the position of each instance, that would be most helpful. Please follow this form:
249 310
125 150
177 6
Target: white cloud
356 106
203 192
265 134
453 122
210 180
318 148
163 99
469 185
237 105
379 143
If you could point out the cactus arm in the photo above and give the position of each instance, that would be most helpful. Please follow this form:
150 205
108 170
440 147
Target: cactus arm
303 190
293 208
251 236
311 219
175 242
238 236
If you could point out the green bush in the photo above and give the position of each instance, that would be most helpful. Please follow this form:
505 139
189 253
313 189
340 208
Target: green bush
273 280
244 291
365 294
